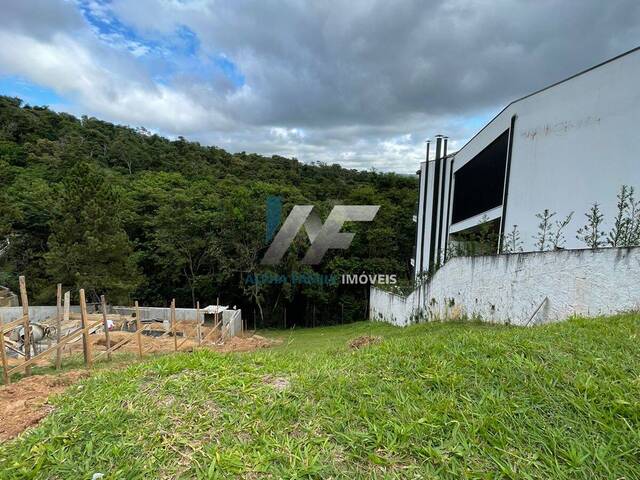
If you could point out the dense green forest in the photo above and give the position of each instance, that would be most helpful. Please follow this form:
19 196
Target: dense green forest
133 215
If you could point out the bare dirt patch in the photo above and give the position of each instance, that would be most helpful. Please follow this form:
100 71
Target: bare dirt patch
279 383
246 344
243 343
364 341
24 403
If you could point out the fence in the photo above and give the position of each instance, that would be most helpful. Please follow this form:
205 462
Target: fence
91 324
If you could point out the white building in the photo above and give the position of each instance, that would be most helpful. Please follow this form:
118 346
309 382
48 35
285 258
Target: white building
561 148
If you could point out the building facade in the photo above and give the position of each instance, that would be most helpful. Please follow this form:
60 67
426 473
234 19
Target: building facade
561 149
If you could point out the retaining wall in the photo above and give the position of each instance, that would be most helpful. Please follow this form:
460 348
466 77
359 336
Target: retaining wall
510 288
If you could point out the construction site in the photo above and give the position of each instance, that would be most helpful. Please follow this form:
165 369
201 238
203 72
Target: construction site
67 335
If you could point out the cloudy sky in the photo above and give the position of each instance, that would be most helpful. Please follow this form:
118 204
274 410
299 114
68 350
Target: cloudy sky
360 83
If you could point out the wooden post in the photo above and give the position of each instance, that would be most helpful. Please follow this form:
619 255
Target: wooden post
105 323
198 330
58 324
218 320
66 311
84 322
138 332
173 324
3 354
25 322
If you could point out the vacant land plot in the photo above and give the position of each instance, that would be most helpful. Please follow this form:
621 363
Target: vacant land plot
431 401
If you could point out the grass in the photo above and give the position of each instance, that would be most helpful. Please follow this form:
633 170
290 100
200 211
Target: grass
442 400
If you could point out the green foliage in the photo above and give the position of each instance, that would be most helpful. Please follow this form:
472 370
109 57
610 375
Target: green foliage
625 231
511 242
591 233
88 247
545 230
557 240
437 400
152 219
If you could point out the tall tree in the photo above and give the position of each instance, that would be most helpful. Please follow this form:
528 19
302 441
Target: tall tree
88 247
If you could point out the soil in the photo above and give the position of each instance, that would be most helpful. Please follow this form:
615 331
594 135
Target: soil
24 403
246 344
364 341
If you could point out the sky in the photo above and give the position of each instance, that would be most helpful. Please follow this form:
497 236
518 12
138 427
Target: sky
361 83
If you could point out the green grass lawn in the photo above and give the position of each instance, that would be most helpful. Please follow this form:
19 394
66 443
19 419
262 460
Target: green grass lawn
442 400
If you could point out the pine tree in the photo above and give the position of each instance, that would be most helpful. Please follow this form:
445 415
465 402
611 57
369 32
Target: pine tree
88 246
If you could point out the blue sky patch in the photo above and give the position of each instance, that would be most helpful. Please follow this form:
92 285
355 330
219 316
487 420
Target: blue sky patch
14 86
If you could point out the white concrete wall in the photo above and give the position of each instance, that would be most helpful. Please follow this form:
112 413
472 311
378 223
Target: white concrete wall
574 144
36 313
232 319
509 288
160 313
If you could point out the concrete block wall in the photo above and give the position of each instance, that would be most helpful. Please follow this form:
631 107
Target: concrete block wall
159 313
509 288
233 318
36 313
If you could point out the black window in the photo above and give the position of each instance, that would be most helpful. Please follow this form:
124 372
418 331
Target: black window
479 184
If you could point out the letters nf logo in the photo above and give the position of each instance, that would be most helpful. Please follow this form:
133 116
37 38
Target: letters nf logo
322 236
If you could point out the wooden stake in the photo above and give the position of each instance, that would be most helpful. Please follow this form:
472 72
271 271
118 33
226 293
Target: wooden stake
58 324
105 322
198 330
66 312
84 322
218 310
3 354
173 324
26 324
138 331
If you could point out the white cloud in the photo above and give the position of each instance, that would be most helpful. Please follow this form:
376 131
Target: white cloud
361 83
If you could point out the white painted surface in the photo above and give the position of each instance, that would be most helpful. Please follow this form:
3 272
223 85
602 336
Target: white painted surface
421 216
509 288
159 313
476 220
36 313
574 144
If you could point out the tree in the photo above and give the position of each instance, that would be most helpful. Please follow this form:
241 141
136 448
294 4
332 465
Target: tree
88 247
545 233
591 233
620 231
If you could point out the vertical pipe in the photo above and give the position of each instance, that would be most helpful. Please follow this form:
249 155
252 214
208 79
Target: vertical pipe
449 207
434 209
424 207
443 182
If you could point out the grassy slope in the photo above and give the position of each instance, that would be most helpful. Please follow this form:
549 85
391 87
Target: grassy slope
440 400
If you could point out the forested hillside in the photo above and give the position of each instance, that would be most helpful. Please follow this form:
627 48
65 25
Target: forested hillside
133 215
